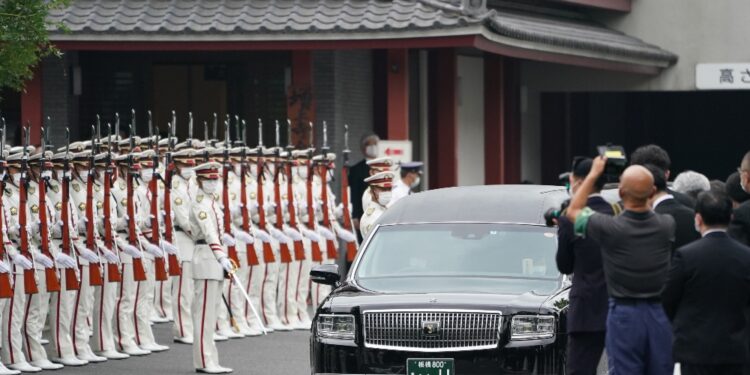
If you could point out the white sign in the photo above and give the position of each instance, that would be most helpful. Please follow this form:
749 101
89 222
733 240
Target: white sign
399 151
721 76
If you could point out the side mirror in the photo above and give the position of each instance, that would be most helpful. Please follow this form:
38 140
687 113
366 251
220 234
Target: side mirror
326 274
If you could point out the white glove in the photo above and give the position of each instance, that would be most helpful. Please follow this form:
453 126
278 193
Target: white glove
88 255
65 261
326 233
56 229
153 249
44 260
292 233
244 236
109 255
339 211
262 235
226 264
168 247
279 235
227 239
345 235
22 261
311 235
4 267
131 250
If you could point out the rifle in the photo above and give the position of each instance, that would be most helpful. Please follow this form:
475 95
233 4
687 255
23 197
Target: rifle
113 270
6 286
268 256
299 248
252 257
71 274
52 280
231 250
330 245
317 254
160 266
29 276
95 272
174 262
286 255
139 273
351 247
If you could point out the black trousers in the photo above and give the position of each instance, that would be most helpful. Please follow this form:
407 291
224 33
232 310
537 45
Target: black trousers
694 369
584 352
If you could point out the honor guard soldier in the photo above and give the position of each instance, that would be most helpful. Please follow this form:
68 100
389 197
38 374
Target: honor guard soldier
210 262
324 206
65 236
410 176
162 312
144 293
380 190
37 304
384 164
183 190
25 280
131 255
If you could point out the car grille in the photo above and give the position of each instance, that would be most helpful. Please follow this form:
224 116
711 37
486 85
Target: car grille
409 330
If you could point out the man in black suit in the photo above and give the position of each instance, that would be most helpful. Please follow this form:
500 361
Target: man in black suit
357 175
587 314
739 228
665 203
707 293
653 154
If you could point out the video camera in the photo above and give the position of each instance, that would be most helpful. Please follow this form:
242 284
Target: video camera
616 162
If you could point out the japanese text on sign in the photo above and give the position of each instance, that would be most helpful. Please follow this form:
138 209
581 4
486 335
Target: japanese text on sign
722 76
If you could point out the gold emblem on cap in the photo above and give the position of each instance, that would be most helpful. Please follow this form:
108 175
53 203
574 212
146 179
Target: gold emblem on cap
35 209
58 206
13 211
76 187
82 207
178 201
202 215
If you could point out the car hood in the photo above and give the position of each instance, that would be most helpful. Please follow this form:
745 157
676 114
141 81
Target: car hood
351 299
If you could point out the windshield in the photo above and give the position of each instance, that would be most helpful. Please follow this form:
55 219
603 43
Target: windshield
477 257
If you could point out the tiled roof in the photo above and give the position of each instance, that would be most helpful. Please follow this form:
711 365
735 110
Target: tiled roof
255 16
275 20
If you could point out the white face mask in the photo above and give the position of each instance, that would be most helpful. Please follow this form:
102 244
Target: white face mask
415 183
210 186
371 151
84 174
187 173
272 169
147 175
237 169
254 171
302 172
47 175
384 197
16 177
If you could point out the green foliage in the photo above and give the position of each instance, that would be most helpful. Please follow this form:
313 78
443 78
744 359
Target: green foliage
24 38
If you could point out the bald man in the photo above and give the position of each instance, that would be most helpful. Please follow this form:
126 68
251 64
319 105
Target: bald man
636 248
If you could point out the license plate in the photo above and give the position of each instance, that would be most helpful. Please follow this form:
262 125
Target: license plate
430 366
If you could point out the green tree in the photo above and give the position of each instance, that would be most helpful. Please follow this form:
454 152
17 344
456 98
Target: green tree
24 38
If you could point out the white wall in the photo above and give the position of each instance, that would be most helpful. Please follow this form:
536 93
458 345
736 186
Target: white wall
470 121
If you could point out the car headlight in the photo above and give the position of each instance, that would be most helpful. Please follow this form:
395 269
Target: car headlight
338 326
532 327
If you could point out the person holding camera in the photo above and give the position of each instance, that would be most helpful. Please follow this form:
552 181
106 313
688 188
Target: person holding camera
582 257
635 247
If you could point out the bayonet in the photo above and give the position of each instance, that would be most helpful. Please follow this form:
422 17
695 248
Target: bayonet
205 133
289 145
117 126
190 127
98 127
324 148
238 129
132 121
215 126
243 132
278 135
260 135
150 130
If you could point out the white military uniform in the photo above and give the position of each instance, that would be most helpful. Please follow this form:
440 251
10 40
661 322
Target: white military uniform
162 311
374 209
208 275
13 313
286 256
10 251
182 285
255 279
302 285
399 190
63 303
268 306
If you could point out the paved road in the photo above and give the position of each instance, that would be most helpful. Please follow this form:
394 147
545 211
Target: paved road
277 353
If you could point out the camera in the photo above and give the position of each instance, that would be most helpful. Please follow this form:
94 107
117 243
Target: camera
616 162
554 213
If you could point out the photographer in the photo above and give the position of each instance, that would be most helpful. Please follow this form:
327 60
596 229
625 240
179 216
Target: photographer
635 248
588 295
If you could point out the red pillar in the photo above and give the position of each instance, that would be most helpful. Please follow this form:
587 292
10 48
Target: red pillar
300 98
443 127
398 94
502 120
31 105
